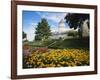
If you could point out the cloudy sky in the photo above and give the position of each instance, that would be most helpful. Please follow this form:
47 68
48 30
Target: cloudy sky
30 19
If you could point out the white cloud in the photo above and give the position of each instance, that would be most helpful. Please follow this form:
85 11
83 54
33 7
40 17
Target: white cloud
54 28
56 17
33 24
30 31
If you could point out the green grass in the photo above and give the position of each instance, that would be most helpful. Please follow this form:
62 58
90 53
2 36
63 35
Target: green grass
71 43
60 44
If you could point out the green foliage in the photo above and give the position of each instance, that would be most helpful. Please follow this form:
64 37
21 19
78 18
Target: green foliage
75 20
24 35
73 33
71 43
42 30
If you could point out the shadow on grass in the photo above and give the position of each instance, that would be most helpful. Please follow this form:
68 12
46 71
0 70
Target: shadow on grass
61 44
71 43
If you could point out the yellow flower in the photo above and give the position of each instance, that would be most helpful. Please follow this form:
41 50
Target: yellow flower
59 57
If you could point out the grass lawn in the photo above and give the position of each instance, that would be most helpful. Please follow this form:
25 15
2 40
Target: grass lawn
67 43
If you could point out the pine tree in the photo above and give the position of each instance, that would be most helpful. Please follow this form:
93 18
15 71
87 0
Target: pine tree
42 30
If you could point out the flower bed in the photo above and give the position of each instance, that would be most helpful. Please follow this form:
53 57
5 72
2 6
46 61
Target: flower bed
57 58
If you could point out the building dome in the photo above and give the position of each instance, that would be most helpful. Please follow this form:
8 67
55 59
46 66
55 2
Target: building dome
61 26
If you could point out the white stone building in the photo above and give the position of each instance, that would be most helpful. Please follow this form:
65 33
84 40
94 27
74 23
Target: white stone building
62 30
85 29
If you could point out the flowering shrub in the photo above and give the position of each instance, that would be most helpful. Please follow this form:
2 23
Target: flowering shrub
40 50
57 58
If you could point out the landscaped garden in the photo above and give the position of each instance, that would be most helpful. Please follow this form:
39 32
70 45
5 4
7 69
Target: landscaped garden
62 45
60 54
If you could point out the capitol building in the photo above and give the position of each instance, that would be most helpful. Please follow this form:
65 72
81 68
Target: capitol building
61 31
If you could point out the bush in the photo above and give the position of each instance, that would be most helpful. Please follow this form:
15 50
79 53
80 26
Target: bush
72 33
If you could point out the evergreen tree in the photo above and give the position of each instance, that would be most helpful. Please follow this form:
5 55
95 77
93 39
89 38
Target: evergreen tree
42 30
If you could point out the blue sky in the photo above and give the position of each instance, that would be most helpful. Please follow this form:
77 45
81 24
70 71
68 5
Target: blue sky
30 19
